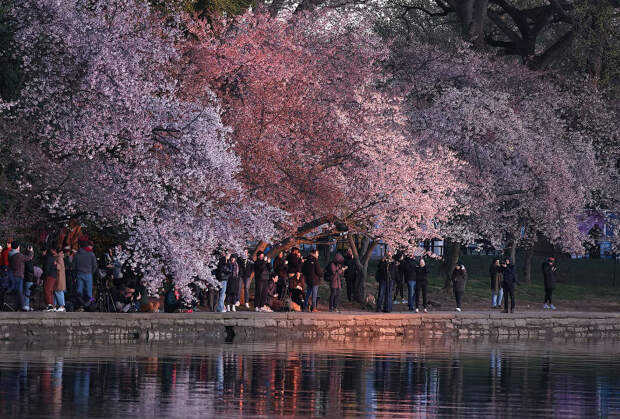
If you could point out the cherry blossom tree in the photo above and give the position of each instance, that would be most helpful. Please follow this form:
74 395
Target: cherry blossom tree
99 130
530 152
317 134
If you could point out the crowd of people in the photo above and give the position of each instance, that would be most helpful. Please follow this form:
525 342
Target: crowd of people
290 282
66 278
504 281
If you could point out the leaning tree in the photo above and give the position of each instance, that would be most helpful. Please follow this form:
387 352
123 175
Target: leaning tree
319 133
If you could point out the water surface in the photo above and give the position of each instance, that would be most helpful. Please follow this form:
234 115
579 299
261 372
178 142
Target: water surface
282 379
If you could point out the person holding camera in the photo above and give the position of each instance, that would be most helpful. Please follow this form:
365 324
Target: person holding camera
508 284
497 292
459 279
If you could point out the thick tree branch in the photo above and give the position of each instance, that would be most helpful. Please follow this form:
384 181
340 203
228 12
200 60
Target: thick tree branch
552 53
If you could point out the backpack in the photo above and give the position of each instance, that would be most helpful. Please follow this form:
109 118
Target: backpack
328 275
307 269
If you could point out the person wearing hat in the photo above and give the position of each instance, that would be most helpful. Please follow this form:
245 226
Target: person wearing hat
549 269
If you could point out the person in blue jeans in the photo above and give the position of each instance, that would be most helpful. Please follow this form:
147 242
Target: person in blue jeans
313 273
409 269
84 266
17 266
222 274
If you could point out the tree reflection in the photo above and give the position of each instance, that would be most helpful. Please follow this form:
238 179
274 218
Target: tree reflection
311 381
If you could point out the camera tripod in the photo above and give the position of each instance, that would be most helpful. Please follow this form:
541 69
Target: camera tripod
5 306
105 301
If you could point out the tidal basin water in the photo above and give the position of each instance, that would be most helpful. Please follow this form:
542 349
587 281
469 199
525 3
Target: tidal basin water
424 379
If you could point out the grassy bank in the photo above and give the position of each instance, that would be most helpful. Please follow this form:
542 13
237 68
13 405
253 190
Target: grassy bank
584 284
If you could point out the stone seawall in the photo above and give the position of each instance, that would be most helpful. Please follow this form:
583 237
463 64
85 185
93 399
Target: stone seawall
264 326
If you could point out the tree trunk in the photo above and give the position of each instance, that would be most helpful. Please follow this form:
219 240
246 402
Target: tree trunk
528 265
260 247
513 252
452 253
361 254
472 15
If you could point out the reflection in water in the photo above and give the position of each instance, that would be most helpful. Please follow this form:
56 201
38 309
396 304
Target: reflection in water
323 379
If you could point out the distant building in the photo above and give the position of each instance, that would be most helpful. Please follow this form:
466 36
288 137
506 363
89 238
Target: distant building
601 228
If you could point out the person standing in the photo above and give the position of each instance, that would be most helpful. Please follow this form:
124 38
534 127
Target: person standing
70 278
232 288
386 275
262 275
399 281
50 276
281 271
293 268
84 267
222 274
549 269
497 292
409 270
246 270
509 281
421 285
16 267
61 283
350 276
313 273
459 278
4 262
337 270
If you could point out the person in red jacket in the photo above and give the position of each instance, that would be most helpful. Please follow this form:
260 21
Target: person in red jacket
4 259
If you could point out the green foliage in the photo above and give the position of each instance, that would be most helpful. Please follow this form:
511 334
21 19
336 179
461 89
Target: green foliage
598 26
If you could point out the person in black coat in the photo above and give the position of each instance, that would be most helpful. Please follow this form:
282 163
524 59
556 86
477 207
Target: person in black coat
549 269
386 275
294 263
508 284
409 271
399 282
280 269
246 269
313 274
223 274
350 274
232 289
420 286
459 278
262 275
